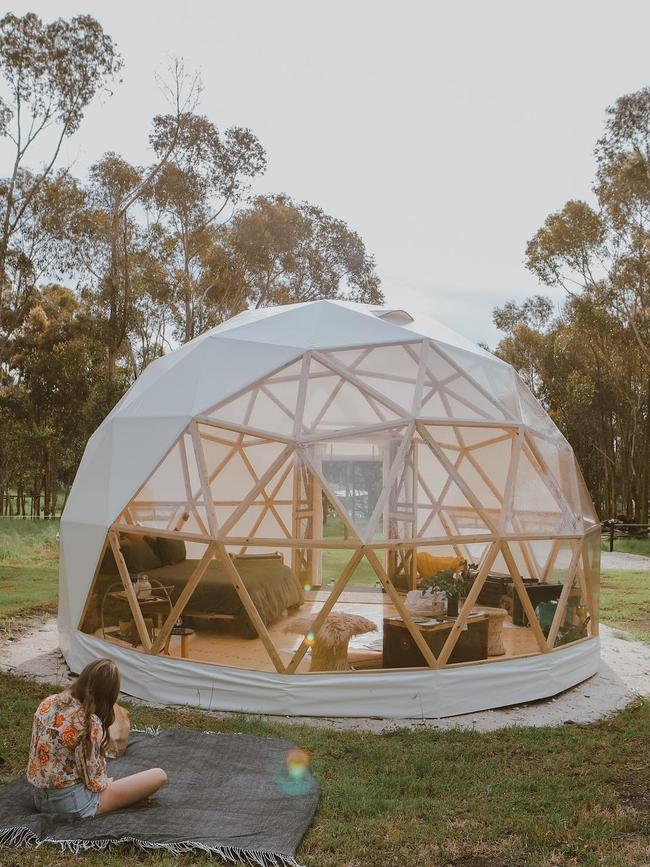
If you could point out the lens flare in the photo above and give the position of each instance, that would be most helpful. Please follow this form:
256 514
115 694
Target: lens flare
310 637
297 764
307 588
294 778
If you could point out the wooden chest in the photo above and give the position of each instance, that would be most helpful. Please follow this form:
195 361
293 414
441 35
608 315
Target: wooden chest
401 651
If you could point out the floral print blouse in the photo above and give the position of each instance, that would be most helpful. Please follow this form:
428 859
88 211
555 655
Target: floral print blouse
56 756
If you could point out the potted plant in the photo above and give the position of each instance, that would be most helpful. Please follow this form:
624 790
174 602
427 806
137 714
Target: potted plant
452 584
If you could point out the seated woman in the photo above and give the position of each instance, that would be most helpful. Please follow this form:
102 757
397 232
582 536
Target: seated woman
67 765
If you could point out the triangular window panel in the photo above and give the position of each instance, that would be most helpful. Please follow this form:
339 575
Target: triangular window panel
334 403
559 460
237 411
171 498
494 380
466 402
446 436
489 495
356 470
234 464
270 490
533 413
431 524
259 455
544 552
438 369
449 393
535 508
485 468
464 516
260 409
391 371
589 515
451 515
446 484
269 405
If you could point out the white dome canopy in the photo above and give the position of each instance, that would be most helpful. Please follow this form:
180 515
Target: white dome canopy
228 442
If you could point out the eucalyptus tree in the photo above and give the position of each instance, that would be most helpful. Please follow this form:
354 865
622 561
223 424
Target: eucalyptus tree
49 73
277 251
206 176
117 233
604 249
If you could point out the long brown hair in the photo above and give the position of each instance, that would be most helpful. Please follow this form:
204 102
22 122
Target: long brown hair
97 688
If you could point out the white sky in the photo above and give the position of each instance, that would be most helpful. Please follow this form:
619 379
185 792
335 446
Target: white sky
443 132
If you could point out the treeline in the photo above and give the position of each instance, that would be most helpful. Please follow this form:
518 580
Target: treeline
101 274
589 361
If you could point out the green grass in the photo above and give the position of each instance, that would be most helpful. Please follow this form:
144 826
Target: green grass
628 546
27 542
625 602
26 587
575 795
28 568
335 560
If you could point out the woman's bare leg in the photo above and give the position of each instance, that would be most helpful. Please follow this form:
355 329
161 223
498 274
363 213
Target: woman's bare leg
130 790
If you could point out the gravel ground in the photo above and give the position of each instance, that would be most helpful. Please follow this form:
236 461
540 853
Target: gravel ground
624 675
623 562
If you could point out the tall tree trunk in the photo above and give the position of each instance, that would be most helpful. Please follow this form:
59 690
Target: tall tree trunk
644 481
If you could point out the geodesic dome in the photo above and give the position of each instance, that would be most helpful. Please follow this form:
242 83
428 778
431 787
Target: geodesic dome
280 481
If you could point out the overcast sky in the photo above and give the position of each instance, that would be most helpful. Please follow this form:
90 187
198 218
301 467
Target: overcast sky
443 132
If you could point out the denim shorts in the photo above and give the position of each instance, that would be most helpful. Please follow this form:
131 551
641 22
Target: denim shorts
75 800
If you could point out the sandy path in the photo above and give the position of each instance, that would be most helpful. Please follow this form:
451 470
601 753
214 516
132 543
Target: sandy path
624 675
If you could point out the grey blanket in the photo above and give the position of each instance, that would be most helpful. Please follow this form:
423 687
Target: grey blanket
232 795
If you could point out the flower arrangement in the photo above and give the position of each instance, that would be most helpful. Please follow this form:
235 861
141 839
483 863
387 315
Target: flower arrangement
452 584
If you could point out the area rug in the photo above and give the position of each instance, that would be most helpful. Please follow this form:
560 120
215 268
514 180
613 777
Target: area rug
241 797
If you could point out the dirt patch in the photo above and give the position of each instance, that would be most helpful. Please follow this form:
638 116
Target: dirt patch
14 625
633 790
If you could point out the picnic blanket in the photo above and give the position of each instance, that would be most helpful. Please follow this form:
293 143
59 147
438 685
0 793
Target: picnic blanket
241 797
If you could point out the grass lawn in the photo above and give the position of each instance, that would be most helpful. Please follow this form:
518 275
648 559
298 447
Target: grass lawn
27 542
628 546
576 795
625 602
28 568
335 561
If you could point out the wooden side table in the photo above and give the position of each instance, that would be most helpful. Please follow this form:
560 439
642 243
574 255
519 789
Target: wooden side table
157 604
184 632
